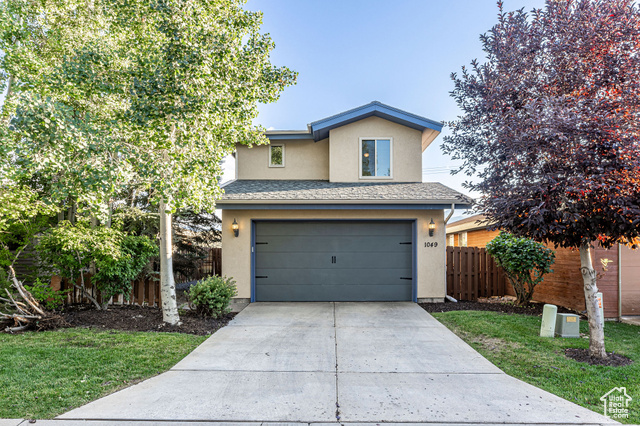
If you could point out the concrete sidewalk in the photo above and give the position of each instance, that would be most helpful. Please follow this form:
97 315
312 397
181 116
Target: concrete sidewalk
332 362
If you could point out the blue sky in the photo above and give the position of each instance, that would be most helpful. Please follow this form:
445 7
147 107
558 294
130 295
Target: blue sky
399 52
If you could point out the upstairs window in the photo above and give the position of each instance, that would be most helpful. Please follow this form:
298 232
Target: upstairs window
376 158
276 156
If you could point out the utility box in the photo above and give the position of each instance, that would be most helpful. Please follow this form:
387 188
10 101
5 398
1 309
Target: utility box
548 325
568 325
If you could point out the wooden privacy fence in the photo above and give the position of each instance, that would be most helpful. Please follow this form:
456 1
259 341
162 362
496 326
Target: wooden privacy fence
472 273
145 292
211 265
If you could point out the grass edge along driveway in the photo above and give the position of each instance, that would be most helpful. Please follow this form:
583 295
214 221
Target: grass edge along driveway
45 374
511 342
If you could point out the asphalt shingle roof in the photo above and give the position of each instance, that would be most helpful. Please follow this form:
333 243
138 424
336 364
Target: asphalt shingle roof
322 190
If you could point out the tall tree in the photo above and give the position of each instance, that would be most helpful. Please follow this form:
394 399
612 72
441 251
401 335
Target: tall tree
194 72
550 125
56 132
151 94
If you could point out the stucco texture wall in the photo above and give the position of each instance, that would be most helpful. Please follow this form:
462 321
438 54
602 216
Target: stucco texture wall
303 159
344 150
236 251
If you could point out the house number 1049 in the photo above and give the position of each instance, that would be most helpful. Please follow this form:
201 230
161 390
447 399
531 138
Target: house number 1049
434 244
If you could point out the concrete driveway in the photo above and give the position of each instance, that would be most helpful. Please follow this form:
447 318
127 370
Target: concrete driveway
334 362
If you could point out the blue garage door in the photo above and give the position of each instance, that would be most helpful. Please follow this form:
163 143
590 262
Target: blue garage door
310 261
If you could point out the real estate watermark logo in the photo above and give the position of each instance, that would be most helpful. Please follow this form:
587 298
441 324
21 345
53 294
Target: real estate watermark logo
616 403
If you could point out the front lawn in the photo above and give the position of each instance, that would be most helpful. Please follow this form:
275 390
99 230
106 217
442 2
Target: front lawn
511 342
45 374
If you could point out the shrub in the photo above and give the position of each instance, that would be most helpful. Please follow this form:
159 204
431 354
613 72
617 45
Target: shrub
118 258
524 261
45 295
115 275
211 296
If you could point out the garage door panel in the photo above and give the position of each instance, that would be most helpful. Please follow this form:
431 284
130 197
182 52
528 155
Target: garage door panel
311 277
332 293
334 244
333 261
301 260
335 228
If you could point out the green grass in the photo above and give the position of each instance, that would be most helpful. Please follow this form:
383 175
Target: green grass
45 374
512 343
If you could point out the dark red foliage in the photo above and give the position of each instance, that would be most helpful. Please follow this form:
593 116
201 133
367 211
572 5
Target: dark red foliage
551 122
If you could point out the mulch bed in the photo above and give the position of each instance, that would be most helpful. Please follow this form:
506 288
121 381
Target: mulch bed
494 305
138 318
582 355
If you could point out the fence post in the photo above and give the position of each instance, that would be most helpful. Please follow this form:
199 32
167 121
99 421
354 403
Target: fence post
449 266
483 291
218 268
151 291
457 274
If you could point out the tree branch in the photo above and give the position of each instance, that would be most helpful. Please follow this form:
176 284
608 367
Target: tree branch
16 304
25 294
83 288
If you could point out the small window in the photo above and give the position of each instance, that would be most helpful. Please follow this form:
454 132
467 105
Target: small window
450 240
463 239
376 158
276 156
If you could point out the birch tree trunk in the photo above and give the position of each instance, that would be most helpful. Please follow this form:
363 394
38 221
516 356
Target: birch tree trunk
167 285
596 322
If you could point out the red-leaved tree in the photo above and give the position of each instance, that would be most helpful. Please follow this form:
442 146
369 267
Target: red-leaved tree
551 125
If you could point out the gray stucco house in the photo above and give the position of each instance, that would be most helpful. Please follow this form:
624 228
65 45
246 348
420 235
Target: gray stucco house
339 212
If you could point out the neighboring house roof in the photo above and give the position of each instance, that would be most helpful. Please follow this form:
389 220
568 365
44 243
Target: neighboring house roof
323 192
470 223
319 130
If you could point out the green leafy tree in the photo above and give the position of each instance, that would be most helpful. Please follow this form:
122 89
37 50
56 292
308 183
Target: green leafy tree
118 259
195 73
22 216
104 96
115 274
194 233
524 261
56 133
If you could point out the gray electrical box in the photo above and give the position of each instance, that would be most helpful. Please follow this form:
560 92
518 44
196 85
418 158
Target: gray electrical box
568 325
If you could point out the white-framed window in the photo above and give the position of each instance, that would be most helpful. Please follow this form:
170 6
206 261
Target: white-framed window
276 155
450 240
376 158
462 239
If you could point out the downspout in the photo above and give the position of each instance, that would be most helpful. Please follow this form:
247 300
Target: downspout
453 209
446 220
619 282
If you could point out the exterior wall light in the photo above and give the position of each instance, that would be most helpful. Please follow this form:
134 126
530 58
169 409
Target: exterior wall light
432 227
235 227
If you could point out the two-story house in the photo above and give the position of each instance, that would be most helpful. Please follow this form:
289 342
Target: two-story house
338 212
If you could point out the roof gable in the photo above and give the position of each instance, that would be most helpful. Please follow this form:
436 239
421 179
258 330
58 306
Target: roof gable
319 130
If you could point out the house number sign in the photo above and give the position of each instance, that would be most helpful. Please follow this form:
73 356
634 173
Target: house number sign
429 244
